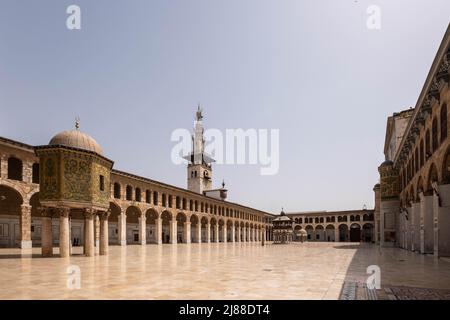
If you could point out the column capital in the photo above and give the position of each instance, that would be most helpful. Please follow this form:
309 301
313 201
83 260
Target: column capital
104 215
62 211
89 213
45 212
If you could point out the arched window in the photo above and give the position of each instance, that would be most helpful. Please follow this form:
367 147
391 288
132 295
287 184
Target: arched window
427 145
116 190
138 194
184 204
196 206
443 123
15 169
422 154
35 177
129 193
178 202
434 135
155 198
416 159
191 205
163 200
147 196
170 201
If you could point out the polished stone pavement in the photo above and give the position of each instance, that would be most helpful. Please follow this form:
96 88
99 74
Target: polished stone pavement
216 271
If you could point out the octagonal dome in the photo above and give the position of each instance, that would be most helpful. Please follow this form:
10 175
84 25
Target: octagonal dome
76 139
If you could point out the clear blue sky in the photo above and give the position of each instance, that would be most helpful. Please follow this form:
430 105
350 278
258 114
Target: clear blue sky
137 69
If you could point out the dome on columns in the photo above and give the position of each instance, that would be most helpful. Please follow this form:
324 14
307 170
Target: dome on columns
76 139
387 163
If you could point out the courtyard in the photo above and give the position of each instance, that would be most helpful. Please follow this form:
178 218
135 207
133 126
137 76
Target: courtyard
312 270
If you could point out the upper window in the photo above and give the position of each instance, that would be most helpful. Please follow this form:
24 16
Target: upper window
434 135
102 183
129 193
116 190
15 169
443 122
35 178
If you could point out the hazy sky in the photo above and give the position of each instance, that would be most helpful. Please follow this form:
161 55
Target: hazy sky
137 69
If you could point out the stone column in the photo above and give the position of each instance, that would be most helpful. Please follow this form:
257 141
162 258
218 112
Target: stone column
142 229
187 232
225 233
104 233
122 229
238 232
199 231
158 230
25 227
46 232
216 232
244 234
208 232
89 235
173 230
64 232
233 233
336 234
421 222
435 223
263 235
97 233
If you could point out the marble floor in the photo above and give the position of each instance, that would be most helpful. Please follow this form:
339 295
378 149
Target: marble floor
216 271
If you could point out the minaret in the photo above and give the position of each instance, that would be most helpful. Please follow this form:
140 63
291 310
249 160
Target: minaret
199 171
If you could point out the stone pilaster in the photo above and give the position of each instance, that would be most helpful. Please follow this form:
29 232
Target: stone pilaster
25 227
3 167
46 231
64 232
